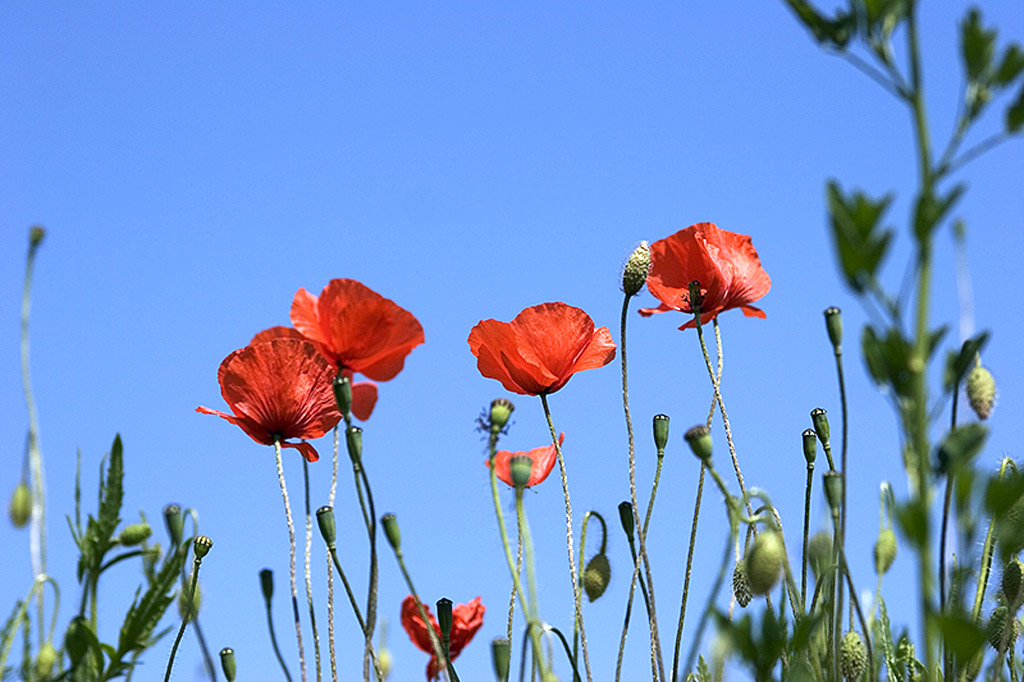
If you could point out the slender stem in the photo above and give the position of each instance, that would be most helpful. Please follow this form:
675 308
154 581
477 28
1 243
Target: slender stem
348 589
273 643
308 571
211 669
535 626
568 536
186 619
330 619
689 566
629 607
986 554
860 616
807 528
565 646
841 527
291 557
435 641
371 598
974 152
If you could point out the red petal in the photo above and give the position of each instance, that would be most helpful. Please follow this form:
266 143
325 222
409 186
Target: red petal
304 316
277 333
364 399
543 461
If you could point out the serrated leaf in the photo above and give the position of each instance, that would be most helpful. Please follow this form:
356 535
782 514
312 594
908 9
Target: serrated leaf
961 635
888 360
894 671
977 46
957 363
145 613
112 492
860 242
930 210
961 446
1015 113
1010 66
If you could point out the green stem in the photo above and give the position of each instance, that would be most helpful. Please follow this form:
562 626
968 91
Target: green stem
535 625
371 599
348 589
188 616
686 575
291 557
308 570
807 527
273 642
583 543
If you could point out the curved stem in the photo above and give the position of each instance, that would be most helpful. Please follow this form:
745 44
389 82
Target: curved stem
186 619
291 557
273 643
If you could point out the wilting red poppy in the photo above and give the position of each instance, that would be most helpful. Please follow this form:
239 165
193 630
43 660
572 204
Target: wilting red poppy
725 264
279 389
356 328
364 393
539 351
542 458
466 620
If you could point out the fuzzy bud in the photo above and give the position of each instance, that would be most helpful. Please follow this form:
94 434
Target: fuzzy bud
501 652
834 325
520 467
501 410
819 418
596 576
819 552
764 562
267 584
996 628
981 391
810 440
342 386
20 509
699 439
325 519
135 534
660 432
227 663
1013 583
45 660
740 584
885 551
853 657
634 275
392 531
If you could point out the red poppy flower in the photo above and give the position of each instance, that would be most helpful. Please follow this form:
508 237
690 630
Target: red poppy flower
364 393
725 264
543 459
356 328
540 350
466 620
279 389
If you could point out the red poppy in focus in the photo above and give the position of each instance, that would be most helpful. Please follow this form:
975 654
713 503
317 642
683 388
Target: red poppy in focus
539 351
356 328
466 620
725 264
364 393
279 389
542 458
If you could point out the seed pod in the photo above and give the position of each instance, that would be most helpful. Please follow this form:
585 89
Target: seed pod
660 432
834 325
596 576
740 585
764 562
227 663
981 391
325 520
885 551
20 509
637 268
392 531
699 439
853 656
501 410
500 655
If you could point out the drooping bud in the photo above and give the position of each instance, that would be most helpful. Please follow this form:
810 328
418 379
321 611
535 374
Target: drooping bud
834 325
998 622
501 410
227 663
819 552
175 522
1013 583
520 467
596 576
764 562
197 600
810 446
392 531
325 519
660 432
626 518
740 584
833 490
853 656
981 391
885 551
20 509
699 439
45 660
267 584
444 617
501 652
819 418
354 441
201 546
634 275
134 534
342 386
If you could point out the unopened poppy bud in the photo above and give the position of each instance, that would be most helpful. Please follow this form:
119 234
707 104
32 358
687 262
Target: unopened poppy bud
267 584
444 617
834 325
596 576
35 235
392 532
227 663
626 518
998 622
699 438
637 268
740 584
175 522
197 600
1013 583
819 417
520 468
885 551
500 655
833 490
134 534
810 446
20 509
819 552
201 546
342 386
325 519
764 562
853 657
501 410
660 432
45 660
354 440
981 391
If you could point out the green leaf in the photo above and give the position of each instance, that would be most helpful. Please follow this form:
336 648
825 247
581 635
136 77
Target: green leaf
888 360
913 521
1015 113
957 364
961 446
930 210
112 491
1010 66
146 612
977 46
1002 493
961 635
860 241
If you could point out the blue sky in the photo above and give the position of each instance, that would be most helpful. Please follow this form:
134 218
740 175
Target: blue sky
195 166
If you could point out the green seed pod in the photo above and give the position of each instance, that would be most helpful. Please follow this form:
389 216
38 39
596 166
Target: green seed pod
267 584
45 660
342 386
392 531
819 418
596 576
981 391
660 432
325 520
626 518
354 441
201 546
810 440
819 552
444 617
35 235
134 534
20 509
740 584
520 467
175 522
834 325
764 562
833 490
634 275
501 411
1013 583
853 657
699 439
197 600
500 655
227 663
885 551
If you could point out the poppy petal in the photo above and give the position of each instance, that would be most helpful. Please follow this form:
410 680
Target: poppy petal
304 316
364 399
305 449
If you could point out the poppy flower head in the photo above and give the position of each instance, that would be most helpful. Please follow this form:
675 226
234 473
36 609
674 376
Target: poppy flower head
466 620
278 389
356 328
724 263
542 461
539 351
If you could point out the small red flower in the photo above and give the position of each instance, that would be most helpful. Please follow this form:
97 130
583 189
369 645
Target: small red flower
539 351
279 389
543 459
466 620
356 328
364 393
725 264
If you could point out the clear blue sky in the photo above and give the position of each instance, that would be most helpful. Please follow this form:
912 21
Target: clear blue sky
194 166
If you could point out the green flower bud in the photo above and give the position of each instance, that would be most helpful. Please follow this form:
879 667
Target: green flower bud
699 439
740 584
500 655
45 660
834 325
764 562
626 518
885 551
853 656
998 622
810 446
1013 583
175 522
227 663
354 440
267 584
981 391
596 576
660 432
342 386
20 509
833 490
135 534
325 519
819 552
634 275
520 467
197 600
201 546
392 532
819 418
